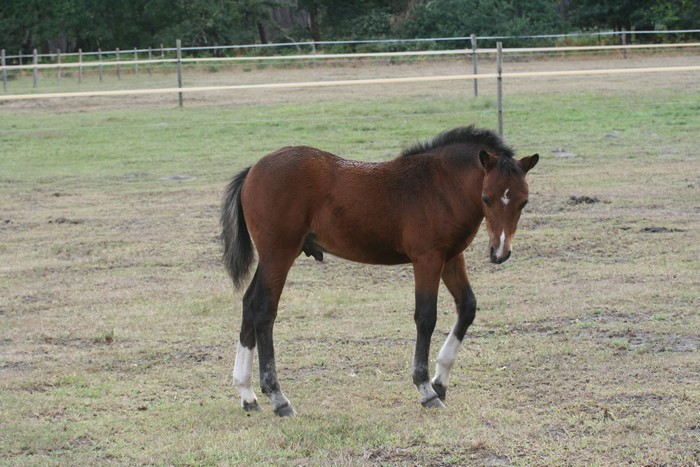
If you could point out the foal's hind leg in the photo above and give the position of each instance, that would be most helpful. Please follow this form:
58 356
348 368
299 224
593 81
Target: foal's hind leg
243 368
455 278
272 275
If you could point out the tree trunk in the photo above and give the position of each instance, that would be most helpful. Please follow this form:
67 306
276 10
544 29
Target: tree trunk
314 27
262 33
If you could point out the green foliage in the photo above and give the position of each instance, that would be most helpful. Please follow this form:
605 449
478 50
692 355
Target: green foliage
446 18
89 24
108 24
616 14
635 14
678 14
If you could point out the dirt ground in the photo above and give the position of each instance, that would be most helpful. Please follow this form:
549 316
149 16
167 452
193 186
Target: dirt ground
118 325
334 70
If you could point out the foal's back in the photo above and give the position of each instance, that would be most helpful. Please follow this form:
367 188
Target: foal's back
362 211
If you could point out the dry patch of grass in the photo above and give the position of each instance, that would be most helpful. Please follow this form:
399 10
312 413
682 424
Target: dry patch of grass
118 325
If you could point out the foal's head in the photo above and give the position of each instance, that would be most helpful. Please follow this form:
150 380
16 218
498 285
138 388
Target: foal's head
504 194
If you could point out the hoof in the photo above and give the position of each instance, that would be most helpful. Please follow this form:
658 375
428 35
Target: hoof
251 406
440 390
285 410
433 403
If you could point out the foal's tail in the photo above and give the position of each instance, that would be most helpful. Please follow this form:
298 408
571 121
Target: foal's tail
238 248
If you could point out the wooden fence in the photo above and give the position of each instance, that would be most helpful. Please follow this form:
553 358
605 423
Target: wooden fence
623 37
470 53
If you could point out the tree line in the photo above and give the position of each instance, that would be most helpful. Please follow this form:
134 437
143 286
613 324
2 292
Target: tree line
67 25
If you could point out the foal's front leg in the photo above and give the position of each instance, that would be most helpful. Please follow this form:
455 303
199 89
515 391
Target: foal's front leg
455 278
427 275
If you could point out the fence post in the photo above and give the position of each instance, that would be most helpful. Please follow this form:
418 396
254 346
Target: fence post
499 68
99 59
36 70
119 75
80 67
136 62
475 67
4 71
179 70
150 65
313 52
58 69
624 43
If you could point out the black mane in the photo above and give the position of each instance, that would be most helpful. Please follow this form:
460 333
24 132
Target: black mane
467 135
463 134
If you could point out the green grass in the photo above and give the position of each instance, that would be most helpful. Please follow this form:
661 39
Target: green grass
172 140
118 325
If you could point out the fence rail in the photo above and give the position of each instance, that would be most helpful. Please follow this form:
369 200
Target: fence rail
351 82
499 75
313 44
321 56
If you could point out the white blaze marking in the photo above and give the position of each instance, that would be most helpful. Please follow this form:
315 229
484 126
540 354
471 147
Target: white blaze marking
243 374
445 359
502 245
504 199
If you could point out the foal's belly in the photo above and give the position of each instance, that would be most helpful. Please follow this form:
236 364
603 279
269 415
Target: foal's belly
372 257
360 249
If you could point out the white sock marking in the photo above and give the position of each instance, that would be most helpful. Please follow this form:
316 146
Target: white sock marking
243 374
280 400
426 392
445 359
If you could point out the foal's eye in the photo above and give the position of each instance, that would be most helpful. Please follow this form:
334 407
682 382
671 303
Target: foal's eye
523 204
486 201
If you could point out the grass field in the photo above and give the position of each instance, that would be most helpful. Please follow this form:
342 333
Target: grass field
118 325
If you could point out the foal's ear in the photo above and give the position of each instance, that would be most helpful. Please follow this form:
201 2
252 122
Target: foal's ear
527 163
487 160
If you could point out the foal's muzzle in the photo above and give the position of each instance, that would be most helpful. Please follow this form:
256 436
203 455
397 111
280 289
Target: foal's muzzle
496 260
